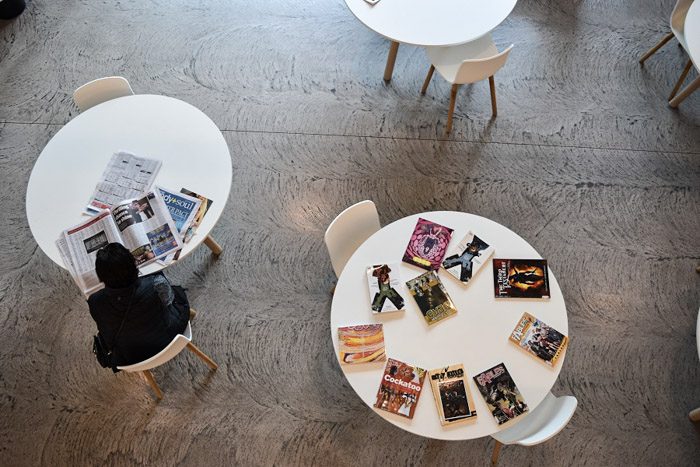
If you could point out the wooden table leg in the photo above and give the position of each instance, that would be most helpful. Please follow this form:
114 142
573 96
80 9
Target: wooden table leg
694 415
688 90
390 60
496 452
212 245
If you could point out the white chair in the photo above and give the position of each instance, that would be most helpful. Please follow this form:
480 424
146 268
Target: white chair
348 230
465 64
678 15
548 419
694 414
101 90
179 342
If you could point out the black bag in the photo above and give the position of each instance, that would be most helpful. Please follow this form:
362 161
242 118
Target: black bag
180 301
99 348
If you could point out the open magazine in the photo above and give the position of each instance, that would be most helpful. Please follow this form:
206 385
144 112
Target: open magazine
144 226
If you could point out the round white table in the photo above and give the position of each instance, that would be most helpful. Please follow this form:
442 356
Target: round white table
477 336
691 31
430 23
193 150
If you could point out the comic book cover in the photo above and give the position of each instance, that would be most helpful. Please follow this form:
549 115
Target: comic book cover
528 278
400 388
452 395
361 344
465 259
384 283
538 339
500 393
431 297
428 245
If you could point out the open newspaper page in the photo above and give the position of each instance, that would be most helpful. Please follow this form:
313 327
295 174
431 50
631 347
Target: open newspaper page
146 228
126 176
183 209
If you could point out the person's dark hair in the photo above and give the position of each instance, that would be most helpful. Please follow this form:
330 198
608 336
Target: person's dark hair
115 266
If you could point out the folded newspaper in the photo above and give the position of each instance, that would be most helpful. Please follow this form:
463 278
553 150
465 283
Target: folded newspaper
184 210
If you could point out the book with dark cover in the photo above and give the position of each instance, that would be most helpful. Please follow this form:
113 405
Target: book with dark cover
400 388
361 344
538 339
384 283
500 393
465 259
452 395
528 278
428 245
431 297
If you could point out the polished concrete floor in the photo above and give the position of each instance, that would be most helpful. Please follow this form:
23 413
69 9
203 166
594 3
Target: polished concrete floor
585 160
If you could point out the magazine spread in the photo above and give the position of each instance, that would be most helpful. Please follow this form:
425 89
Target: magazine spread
527 278
500 393
427 245
384 283
400 388
452 395
203 208
538 339
431 297
361 344
126 176
466 259
144 226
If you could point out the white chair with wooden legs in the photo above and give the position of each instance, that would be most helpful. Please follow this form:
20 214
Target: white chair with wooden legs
548 419
177 345
694 414
349 230
466 64
678 15
101 90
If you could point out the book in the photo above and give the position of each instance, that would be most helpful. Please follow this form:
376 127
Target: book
466 259
431 297
538 339
384 281
427 245
452 395
500 393
361 344
203 208
528 278
400 388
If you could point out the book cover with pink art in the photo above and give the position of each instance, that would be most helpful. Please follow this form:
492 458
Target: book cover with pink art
428 245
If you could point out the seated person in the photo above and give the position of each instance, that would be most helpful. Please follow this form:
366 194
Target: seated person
144 304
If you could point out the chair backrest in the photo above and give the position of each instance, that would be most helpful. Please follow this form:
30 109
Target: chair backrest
176 346
476 69
680 11
101 90
548 419
348 230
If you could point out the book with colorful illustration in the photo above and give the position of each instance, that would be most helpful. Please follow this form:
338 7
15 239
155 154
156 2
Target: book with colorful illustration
203 208
538 339
525 278
500 393
361 344
400 388
384 283
452 396
428 245
431 297
465 259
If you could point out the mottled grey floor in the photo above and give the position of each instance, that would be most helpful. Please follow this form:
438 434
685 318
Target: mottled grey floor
586 161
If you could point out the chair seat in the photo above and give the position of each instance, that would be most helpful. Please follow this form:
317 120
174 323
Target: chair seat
176 346
447 60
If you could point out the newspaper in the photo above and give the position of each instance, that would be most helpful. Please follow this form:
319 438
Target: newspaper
144 226
183 209
126 176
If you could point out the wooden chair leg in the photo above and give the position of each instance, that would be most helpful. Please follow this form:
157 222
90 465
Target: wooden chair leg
210 363
148 376
212 245
453 98
686 70
390 60
496 452
427 80
653 50
688 90
694 415
492 87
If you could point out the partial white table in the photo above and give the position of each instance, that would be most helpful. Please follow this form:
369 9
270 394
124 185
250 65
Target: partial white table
430 23
691 31
476 336
193 150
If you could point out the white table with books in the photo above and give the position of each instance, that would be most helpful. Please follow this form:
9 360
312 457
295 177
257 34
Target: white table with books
151 172
489 322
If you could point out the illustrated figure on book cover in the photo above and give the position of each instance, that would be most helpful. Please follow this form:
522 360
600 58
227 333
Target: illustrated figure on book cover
384 289
428 245
465 264
500 393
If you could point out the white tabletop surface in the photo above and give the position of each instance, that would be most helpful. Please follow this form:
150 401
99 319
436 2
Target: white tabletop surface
432 22
476 337
193 150
691 29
